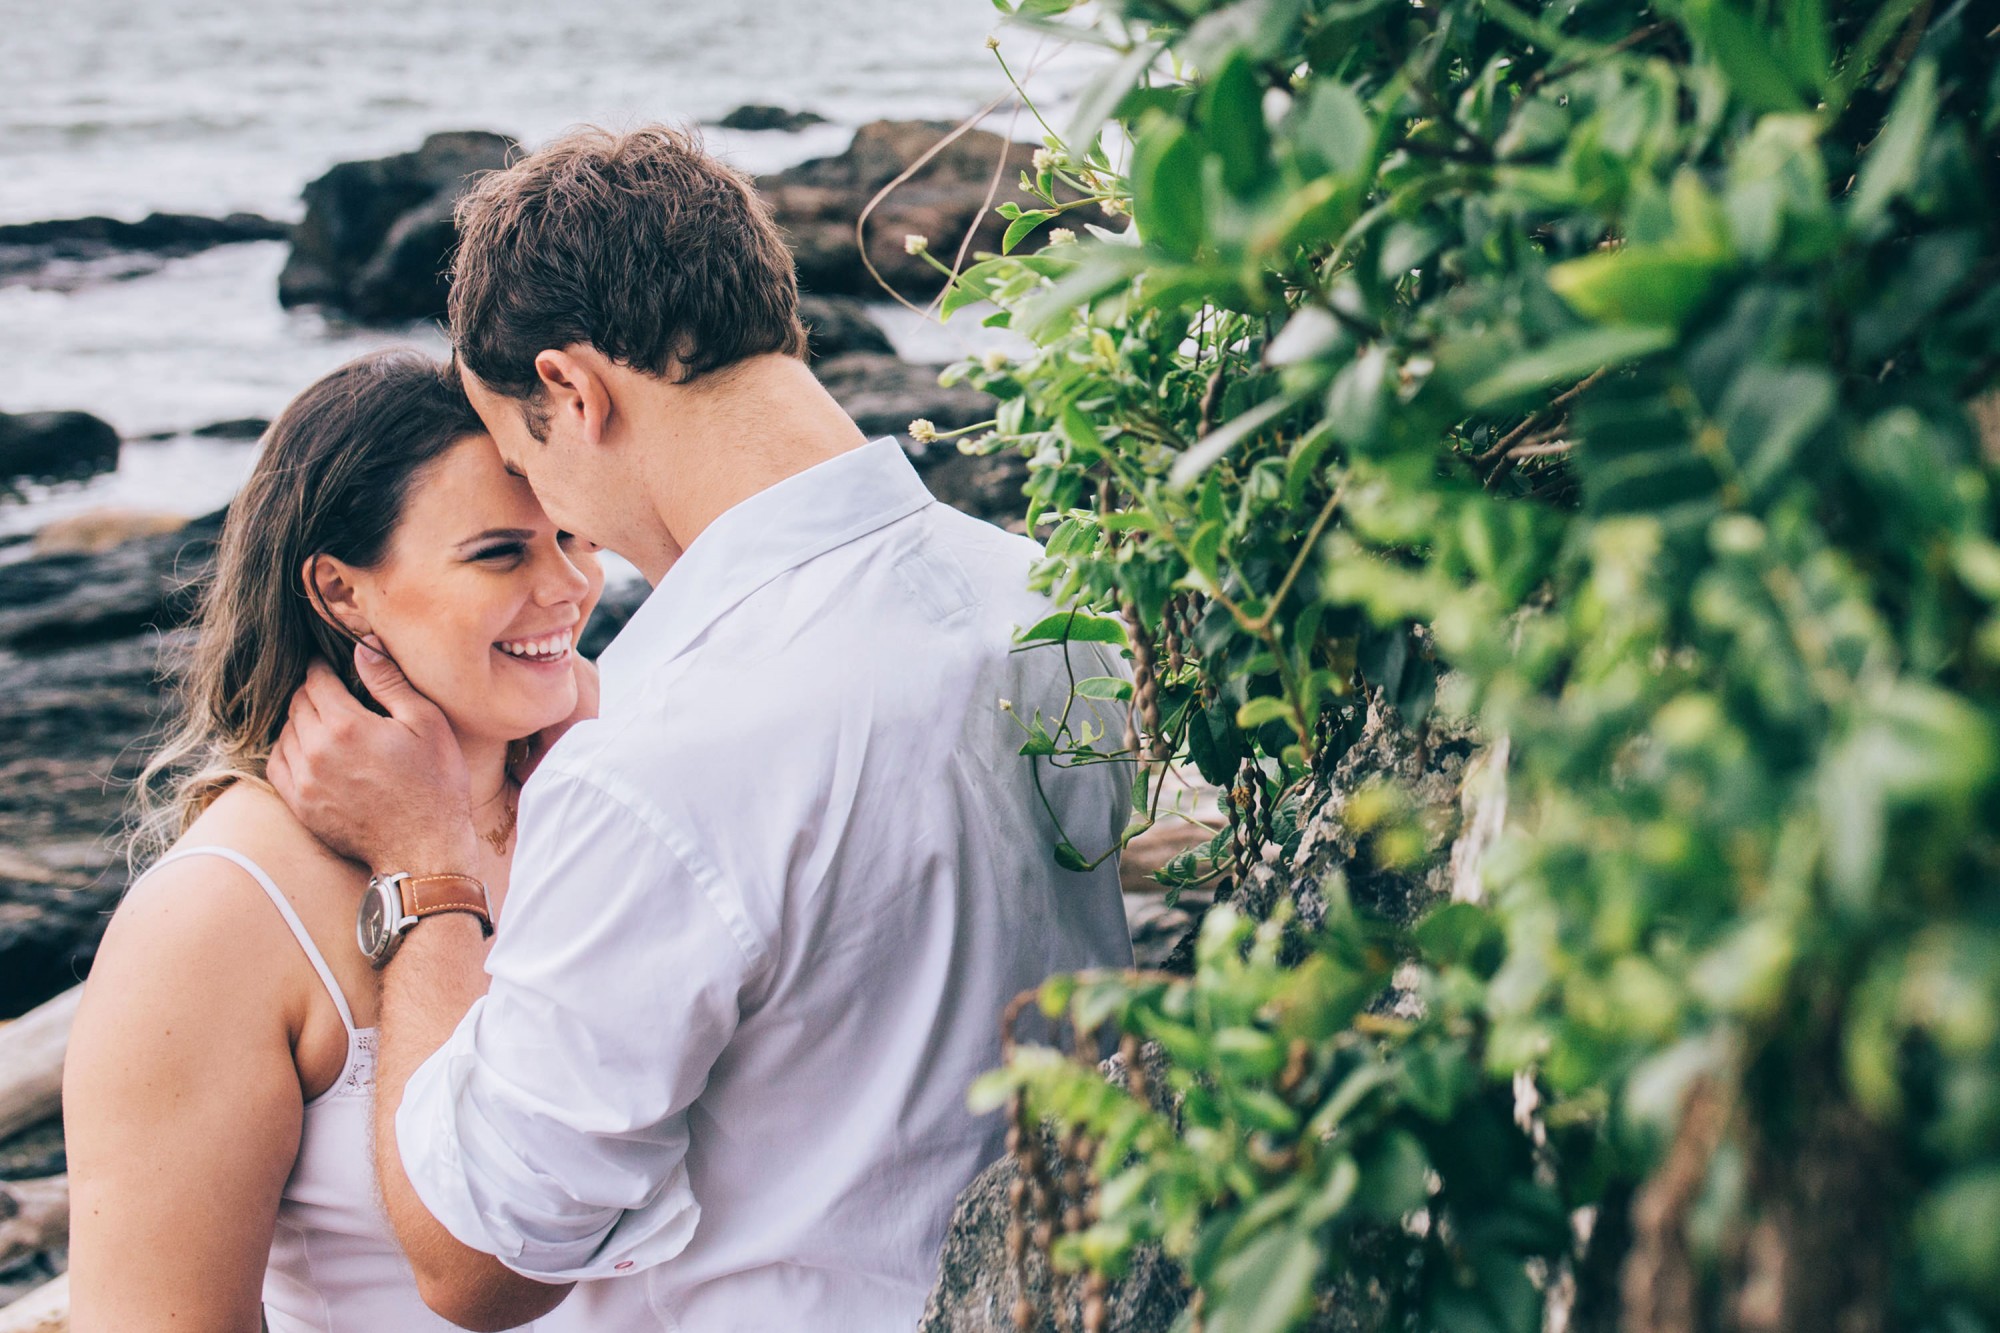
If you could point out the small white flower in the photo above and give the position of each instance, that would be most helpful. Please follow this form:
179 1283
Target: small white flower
993 43
923 431
914 244
1114 207
1043 160
995 360
1061 236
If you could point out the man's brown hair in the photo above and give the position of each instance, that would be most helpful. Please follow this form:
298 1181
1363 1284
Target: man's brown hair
639 244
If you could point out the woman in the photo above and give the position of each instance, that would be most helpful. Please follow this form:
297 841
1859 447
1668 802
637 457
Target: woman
216 1096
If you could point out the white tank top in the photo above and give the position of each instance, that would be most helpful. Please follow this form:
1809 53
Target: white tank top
335 1266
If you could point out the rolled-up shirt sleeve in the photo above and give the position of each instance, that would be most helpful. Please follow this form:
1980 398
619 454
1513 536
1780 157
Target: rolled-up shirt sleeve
550 1131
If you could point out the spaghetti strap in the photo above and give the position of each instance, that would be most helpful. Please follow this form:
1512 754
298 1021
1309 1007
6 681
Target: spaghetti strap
284 906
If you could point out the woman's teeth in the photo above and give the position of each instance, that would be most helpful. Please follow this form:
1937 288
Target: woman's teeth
548 648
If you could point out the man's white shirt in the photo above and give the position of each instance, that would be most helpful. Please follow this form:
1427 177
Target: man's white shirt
763 918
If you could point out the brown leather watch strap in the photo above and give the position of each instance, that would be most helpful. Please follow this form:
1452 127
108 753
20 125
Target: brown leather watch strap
428 895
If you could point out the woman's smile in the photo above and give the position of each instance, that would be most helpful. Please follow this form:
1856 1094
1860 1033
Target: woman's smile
546 650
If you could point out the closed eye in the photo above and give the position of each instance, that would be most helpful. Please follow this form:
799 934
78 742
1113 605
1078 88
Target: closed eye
500 551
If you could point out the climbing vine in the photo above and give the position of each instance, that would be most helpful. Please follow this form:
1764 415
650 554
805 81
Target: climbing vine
1597 389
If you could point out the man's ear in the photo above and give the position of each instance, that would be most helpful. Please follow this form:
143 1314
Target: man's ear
330 587
574 387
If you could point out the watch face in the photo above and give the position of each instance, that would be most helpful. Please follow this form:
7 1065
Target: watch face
371 929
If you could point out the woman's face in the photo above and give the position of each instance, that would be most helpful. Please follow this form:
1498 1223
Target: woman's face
479 598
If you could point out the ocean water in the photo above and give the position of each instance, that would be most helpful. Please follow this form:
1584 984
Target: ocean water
122 107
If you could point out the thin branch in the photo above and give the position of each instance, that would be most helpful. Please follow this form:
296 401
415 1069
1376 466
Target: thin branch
1305 553
861 222
1550 73
1541 450
1211 399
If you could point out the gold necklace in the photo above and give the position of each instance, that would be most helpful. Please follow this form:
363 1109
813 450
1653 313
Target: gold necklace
500 837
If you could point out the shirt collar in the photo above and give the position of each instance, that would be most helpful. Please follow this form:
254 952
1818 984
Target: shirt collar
774 531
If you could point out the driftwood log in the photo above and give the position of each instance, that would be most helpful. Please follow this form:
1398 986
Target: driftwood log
43 1310
31 1062
34 1216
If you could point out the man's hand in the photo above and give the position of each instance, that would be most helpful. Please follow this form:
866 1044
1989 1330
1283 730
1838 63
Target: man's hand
540 743
390 792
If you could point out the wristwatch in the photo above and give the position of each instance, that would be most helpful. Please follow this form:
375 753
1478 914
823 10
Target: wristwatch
395 903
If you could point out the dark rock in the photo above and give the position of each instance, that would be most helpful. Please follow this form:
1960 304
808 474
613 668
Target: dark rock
83 704
620 600
62 600
988 486
56 444
63 252
977 1286
756 116
837 325
74 731
817 203
377 234
236 428
884 394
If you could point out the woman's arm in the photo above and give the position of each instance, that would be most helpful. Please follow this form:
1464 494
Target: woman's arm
182 1106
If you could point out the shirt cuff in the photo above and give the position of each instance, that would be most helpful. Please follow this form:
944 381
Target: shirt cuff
500 1205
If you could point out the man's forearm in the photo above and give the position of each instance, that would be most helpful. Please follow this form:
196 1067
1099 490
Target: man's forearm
427 988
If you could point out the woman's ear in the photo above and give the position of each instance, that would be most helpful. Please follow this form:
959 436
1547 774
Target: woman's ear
330 586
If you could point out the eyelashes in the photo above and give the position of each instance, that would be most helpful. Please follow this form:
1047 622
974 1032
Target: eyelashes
515 551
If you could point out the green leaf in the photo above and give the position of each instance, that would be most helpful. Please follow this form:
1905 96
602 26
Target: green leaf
1105 91
990 1091
1022 226
1081 434
1039 745
972 285
1636 285
1457 934
1392 1177
1566 360
1357 403
1268 1286
1889 167
1769 413
1232 113
1958 1231
1333 126
1263 710
1069 858
1755 71
1166 189
1076 627
1105 270
1104 687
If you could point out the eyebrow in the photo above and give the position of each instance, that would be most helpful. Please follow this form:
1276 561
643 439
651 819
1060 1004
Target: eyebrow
516 534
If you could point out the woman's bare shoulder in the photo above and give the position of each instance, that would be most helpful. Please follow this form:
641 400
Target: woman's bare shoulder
208 917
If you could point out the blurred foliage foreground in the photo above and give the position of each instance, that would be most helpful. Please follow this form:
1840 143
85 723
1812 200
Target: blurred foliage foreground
1596 388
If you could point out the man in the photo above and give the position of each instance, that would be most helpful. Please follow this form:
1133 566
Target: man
767 906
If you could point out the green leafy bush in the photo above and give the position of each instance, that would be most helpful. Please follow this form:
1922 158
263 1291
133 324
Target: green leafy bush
1606 377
